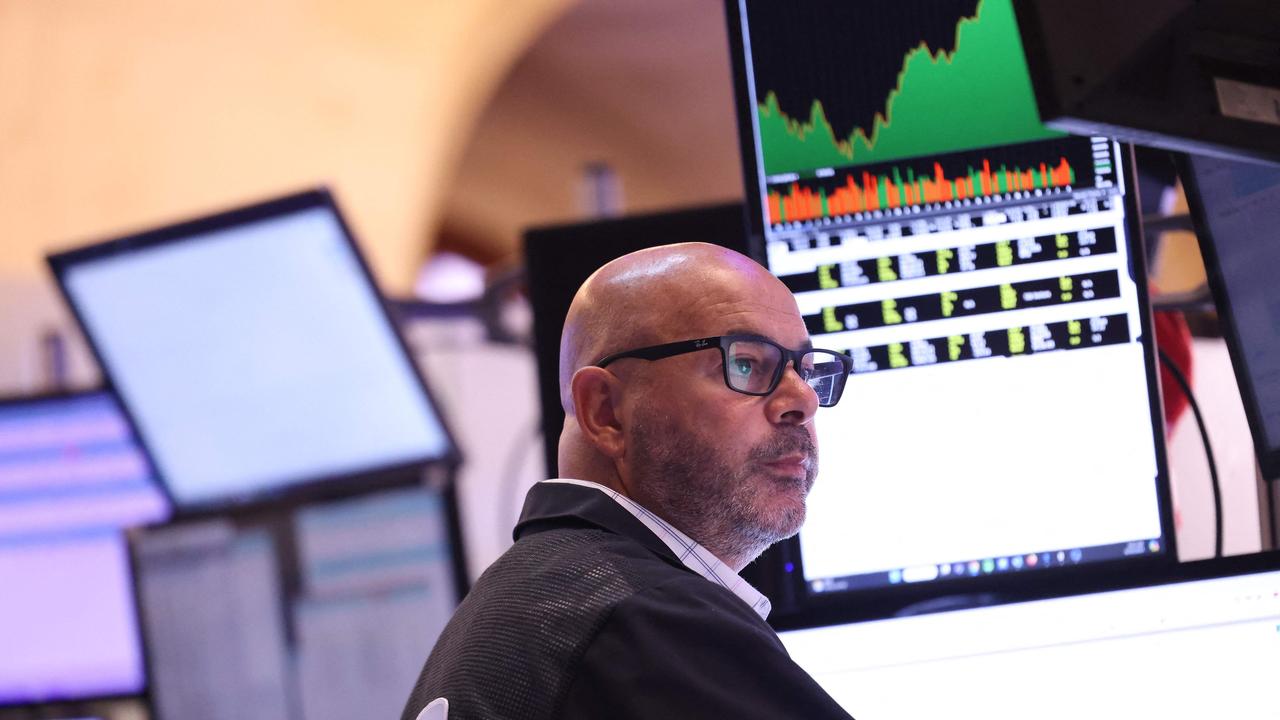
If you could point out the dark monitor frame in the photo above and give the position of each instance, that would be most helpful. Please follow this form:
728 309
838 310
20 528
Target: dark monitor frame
1196 570
47 706
1268 456
278 521
332 486
794 604
1200 42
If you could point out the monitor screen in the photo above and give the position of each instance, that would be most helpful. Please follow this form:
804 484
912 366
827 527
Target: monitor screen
1193 648
981 271
1237 211
214 622
253 353
326 612
71 477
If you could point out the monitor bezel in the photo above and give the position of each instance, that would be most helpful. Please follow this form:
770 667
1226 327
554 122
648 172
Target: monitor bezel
1268 456
331 486
1111 109
794 603
142 694
1263 561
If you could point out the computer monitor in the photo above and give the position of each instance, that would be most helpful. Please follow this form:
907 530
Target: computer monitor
1002 426
1186 75
71 477
325 611
1203 642
1236 209
559 258
255 356
213 614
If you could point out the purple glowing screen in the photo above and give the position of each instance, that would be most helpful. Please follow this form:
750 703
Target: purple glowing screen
71 478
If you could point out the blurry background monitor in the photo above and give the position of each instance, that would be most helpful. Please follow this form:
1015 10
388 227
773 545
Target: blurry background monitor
1203 642
1002 427
1236 208
71 477
325 613
1202 77
559 258
254 354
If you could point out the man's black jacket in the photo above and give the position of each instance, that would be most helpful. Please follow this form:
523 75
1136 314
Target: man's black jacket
590 615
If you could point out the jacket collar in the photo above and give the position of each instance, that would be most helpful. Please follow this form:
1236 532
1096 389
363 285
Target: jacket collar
557 503
553 504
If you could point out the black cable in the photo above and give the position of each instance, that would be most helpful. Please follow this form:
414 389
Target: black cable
1208 449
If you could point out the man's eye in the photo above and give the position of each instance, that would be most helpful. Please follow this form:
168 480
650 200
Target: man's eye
743 366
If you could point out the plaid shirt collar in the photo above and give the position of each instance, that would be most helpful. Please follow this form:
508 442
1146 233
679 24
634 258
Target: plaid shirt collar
694 556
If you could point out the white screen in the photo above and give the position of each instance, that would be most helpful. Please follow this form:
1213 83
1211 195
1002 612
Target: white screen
214 620
256 357
932 463
1192 650
976 267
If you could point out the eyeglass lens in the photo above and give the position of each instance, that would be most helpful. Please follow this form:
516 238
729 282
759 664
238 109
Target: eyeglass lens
752 367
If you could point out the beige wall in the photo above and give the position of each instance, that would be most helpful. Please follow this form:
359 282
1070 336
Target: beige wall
118 114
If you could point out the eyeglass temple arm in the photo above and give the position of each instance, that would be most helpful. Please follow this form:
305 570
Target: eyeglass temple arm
658 352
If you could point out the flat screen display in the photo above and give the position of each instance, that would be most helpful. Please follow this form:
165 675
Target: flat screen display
326 612
253 353
981 271
71 478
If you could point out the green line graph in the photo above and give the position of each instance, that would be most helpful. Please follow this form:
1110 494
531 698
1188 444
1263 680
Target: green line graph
976 95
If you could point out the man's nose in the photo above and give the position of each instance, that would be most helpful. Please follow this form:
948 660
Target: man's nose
793 402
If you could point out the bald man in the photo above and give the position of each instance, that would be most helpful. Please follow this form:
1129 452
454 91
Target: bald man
689 387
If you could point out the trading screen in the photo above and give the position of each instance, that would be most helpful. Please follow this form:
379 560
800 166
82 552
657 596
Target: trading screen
977 267
71 478
232 632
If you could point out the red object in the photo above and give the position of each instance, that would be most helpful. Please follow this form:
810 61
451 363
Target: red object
802 203
1174 338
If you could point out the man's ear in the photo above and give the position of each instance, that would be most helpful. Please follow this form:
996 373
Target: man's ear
596 395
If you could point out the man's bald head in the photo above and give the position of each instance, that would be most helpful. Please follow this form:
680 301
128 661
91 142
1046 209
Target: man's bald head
641 298
730 469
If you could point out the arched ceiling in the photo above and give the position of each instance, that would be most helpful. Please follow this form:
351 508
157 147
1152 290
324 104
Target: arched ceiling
123 114
641 85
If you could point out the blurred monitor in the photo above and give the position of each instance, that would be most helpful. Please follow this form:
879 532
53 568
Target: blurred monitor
1189 75
559 258
255 356
1236 209
213 612
71 477
1002 428
326 612
1203 643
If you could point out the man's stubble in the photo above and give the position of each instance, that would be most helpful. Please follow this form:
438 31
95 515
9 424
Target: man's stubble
724 508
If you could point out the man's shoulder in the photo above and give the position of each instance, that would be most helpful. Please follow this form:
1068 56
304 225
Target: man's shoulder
533 614
595 567
692 649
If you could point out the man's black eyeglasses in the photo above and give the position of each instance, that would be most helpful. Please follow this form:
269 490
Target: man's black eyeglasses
753 365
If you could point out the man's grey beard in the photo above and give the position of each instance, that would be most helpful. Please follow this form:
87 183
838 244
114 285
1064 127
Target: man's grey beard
694 489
